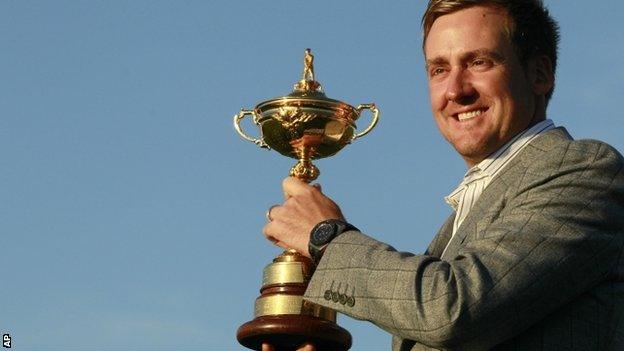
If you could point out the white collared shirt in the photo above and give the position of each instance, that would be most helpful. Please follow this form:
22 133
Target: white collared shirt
478 177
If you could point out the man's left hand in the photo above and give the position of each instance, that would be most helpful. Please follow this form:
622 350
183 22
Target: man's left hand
305 206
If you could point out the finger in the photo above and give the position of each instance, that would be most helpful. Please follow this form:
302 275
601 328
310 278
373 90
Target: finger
279 235
267 231
267 347
272 240
318 186
273 232
293 186
307 347
270 230
276 211
269 213
282 245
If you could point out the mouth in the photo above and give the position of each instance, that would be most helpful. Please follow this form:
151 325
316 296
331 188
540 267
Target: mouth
468 115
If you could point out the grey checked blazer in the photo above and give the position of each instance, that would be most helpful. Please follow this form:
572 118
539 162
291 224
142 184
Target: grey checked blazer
536 265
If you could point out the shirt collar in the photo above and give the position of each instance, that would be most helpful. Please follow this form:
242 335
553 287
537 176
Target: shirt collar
493 163
490 166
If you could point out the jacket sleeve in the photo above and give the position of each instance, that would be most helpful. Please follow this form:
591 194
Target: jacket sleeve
559 233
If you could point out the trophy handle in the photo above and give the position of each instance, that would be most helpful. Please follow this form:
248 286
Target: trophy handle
237 119
374 121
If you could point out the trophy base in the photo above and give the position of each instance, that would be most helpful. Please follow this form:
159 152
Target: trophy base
288 332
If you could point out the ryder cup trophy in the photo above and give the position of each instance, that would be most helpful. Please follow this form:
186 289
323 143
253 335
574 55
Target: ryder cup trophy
304 125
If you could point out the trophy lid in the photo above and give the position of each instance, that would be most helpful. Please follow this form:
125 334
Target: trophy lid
306 92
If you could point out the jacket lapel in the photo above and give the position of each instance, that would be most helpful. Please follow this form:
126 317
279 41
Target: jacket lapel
441 239
482 209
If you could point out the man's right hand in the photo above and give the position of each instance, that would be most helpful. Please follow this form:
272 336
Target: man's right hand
290 224
304 347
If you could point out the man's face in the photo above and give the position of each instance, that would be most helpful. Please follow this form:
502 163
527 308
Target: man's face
479 92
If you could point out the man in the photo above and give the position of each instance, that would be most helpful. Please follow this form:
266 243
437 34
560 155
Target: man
531 257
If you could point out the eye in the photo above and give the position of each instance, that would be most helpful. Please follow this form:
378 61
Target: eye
436 71
481 63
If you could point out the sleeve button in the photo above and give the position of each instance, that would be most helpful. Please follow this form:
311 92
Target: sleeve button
328 295
350 301
342 298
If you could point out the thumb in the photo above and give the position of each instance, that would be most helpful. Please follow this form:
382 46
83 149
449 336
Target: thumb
318 186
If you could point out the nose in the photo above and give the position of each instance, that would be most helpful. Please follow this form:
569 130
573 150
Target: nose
459 87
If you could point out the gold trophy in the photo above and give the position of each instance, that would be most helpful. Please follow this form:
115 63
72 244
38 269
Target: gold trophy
304 125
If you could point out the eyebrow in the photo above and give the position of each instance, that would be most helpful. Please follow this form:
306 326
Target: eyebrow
496 56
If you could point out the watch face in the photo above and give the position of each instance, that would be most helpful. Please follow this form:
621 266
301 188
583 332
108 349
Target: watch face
324 233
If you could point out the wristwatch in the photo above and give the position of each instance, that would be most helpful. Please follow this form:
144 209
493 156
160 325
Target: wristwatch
323 233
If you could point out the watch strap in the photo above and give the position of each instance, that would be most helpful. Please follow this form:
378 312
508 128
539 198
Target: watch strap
318 249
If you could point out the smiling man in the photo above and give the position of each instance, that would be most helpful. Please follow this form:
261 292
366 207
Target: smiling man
482 94
530 258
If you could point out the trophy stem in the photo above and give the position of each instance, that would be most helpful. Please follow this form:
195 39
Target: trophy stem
304 169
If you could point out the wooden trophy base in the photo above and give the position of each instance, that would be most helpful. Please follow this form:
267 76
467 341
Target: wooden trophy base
288 332
283 318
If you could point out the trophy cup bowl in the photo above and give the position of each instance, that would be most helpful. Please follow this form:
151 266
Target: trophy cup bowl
305 125
285 119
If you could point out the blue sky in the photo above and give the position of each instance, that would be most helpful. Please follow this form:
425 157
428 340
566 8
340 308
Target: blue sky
131 213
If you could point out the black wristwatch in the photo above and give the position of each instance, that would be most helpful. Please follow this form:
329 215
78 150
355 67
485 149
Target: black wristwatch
323 233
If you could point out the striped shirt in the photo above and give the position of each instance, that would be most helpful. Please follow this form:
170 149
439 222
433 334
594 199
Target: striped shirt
478 177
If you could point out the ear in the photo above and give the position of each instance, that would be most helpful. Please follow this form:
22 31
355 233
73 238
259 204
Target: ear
541 75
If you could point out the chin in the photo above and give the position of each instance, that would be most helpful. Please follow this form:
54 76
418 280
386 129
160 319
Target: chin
473 151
